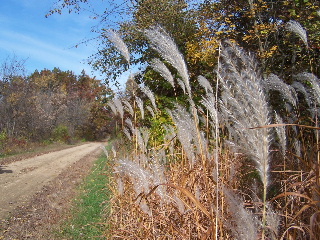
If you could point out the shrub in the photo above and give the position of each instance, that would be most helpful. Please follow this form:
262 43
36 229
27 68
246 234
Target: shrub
61 133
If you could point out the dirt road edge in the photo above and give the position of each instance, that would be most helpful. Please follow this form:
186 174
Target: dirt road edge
38 218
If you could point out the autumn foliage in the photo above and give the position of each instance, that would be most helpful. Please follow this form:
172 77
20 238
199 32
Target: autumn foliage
50 105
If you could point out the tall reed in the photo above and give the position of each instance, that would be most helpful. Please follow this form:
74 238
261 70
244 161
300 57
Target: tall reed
199 183
244 106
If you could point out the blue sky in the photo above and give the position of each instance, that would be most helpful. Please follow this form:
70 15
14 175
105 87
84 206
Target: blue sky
46 42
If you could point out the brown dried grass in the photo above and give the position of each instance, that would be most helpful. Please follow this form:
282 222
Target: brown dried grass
294 195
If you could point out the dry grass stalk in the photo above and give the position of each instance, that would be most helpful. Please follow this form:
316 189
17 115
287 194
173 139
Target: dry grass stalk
169 190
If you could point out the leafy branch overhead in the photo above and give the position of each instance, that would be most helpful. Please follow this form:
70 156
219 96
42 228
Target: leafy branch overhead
274 30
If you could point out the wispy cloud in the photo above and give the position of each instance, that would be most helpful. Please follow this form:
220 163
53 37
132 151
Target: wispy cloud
43 52
46 42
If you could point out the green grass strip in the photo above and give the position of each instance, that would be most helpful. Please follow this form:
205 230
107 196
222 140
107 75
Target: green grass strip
87 215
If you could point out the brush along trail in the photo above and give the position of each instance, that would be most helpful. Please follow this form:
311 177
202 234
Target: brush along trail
21 180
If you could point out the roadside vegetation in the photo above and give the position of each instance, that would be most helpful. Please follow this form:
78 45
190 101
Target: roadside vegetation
220 128
90 207
226 165
217 137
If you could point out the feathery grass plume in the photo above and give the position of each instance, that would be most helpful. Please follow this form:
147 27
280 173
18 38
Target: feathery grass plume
297 147
143 138
146 90
209 102
243 224
114 152
182 85
281 132
312 91
130 124
113 107
241 61
245 106
128 107
169 136
295 27
273 82
105 151
205 84
115 38
169 113
140 141
168 50
299 87
143 180
205 143
145 134
131 85
143 160
127 133
140 177
183 121
118 104
186 132
159 178
161 68
273 221
151 111
140 106
313 84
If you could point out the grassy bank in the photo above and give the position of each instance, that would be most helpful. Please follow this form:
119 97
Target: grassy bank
89 207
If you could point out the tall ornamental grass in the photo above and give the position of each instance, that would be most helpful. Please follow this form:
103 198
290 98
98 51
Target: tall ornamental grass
228 167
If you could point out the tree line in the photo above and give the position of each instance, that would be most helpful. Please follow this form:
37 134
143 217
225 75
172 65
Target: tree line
50 105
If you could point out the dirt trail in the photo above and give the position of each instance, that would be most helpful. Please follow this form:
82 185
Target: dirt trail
19 181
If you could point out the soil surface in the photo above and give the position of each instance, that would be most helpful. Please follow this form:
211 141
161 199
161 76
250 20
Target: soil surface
36 193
